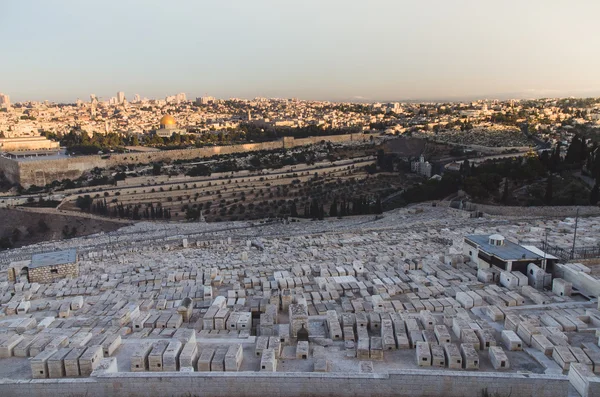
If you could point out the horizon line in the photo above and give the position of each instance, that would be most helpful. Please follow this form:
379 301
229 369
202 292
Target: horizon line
519 96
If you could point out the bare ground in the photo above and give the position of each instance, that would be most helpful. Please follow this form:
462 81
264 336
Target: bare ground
36 226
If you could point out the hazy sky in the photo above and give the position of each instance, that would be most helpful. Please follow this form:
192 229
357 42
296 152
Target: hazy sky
310 49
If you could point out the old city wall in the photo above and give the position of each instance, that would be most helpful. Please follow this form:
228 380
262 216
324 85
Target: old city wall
412 383
42 171
190 154
329 138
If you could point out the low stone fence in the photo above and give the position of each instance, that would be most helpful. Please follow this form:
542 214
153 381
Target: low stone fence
413 383
545 211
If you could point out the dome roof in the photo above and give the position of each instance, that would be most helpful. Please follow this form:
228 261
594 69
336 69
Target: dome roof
167 119
496 237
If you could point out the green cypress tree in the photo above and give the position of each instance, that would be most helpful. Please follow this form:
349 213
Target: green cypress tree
378 207
595 194
505 193
333 208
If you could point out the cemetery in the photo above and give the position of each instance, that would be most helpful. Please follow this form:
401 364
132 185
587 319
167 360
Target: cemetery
392 305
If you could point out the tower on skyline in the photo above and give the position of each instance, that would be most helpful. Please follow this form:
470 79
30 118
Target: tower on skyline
4 100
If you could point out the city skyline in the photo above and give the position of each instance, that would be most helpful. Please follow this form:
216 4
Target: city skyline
169 96
380 51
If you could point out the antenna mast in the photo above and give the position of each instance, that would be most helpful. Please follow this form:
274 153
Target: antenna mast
575 234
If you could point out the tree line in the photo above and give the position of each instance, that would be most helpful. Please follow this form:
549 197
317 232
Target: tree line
119 210
496 179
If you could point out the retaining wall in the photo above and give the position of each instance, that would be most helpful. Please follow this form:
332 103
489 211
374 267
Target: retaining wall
544 211
10 169
41 172
414 383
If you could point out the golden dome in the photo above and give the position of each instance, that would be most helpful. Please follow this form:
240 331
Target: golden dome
167 119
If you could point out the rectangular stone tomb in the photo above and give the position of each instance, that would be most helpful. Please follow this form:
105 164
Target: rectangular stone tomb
234 357
111 344
376 349
268 362
189 355
302 350
498 358
71 362
563 357
218 361
90 359
171 356
453 356
56 363
469 356
262 342
139 358
205 359
511 340
423 354
39 364
438 358
155 358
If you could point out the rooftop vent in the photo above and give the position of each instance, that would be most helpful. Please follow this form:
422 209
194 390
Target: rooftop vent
496 239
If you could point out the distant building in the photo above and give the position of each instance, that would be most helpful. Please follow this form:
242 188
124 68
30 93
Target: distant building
495 251
94 103
120 97
27 144
4 100
46 267
454 166
421 167
394 107
205 100
470 113
168 127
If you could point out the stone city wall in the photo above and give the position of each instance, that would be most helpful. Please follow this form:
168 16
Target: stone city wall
45 274
413 383
42 172
189 154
